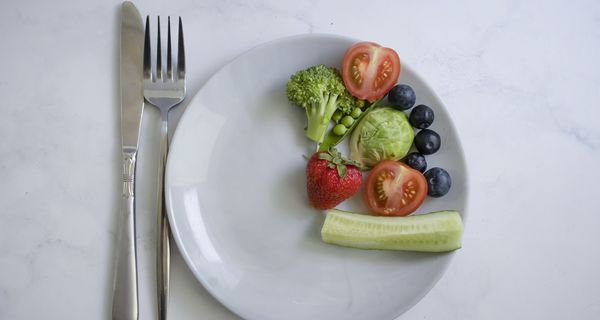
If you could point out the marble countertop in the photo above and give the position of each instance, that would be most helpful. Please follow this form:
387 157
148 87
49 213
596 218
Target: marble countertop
520 78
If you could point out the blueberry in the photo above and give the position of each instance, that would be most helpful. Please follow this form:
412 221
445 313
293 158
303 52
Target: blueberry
402 96
421 116
416 161
427 141
438 182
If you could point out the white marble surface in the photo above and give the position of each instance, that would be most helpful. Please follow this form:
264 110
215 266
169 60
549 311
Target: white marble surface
520 78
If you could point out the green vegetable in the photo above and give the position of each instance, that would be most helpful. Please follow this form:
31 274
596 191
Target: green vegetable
360 104
339 129
320 91
337 115
347 121
332 139
355 113
383 134
432 232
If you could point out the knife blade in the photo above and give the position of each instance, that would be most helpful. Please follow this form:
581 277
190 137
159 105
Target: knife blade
125 293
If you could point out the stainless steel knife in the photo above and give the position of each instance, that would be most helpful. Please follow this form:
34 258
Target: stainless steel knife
125 294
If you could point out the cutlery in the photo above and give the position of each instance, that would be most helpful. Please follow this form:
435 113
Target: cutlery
125 294
163 89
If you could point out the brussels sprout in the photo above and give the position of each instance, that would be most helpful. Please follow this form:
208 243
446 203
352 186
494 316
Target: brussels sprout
383 134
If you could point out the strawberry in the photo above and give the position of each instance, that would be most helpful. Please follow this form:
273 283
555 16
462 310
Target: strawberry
331 179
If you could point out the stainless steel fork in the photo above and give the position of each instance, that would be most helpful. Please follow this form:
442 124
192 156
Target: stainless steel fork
164 89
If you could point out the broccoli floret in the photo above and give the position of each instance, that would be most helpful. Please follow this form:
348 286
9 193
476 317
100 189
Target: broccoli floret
320 91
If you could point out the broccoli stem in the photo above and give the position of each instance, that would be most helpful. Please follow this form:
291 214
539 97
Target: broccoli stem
319 116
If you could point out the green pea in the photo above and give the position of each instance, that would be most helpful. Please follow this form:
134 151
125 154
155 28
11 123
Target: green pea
347 121
339 129
360 104
355 113
337 115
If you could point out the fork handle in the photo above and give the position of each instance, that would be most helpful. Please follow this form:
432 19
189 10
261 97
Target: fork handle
163 245
125 294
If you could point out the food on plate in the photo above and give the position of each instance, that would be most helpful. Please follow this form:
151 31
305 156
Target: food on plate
394 189
334 137
379 137
427 141
402 97
416 161
331 179
356 112
382 134
432 232
337 115
347 121
438 182
320 91
339 129
370 70
421 117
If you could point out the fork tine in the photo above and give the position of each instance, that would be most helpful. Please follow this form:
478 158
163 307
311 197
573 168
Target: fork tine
159 73
147 55
180 53
169 57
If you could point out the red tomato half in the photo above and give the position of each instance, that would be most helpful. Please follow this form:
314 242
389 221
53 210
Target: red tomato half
394 189
370 70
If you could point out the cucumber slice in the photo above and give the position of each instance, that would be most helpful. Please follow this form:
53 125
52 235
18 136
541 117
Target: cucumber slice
432 232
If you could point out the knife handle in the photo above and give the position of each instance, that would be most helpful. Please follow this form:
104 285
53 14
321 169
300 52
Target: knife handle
125 294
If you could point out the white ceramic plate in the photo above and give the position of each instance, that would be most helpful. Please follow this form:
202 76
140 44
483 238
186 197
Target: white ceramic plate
237 203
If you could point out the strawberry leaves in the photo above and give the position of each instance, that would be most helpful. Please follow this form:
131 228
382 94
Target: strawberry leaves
337 161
